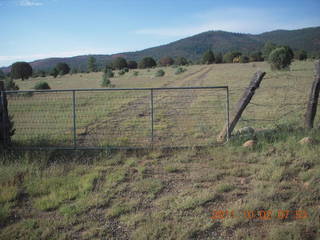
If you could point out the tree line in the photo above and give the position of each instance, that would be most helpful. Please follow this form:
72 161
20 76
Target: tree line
279 58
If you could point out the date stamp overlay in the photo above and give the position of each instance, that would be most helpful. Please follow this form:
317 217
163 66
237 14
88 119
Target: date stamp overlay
263 215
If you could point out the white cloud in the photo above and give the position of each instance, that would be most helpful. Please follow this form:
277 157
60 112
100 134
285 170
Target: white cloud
29 3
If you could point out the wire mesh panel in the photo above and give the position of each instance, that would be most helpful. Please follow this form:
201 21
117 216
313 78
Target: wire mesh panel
113 118
41 119
99 118
189 117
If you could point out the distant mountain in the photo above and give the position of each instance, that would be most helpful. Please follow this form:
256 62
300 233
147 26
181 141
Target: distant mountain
193 47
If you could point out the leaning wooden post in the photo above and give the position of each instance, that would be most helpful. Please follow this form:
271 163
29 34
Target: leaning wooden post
313 98
241 106
4 118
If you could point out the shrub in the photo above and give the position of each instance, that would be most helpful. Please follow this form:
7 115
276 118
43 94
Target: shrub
2 75
267 49
301 55
256 57
92 65
160 73
41 86
208 57
132 64
228 57
9 84
147 62
54 72
109 73
166 61
219 58
180 70
21 70
119 63
280 58
121 72
62 68
244 59
135 73
181 61
105 81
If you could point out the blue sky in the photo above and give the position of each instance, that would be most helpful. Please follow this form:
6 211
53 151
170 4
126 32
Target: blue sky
35 29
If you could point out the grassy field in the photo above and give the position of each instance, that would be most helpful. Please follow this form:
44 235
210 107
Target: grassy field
125 116
270 191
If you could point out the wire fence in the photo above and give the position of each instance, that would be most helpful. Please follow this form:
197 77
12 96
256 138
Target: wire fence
118 118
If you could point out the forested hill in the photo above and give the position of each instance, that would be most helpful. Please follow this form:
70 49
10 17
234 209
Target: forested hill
193 47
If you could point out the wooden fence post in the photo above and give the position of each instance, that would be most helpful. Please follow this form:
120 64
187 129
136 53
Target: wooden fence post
241 106
313 98
4 118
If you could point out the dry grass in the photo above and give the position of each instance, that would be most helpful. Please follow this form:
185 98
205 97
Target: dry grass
163 194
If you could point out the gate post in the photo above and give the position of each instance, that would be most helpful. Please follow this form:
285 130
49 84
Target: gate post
313 98
4 118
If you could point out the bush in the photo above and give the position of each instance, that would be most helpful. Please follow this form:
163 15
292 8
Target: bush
180 70
244 59
119 63
280 58
219 58
9 84
121 72
54 72
301 55
228 57
160 73
181 61
147 62
132 64
256 57
208 57
135 73
166 61
62 68
41 86
105 81
109 73
2 75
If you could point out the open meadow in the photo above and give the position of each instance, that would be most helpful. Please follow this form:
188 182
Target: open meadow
269 191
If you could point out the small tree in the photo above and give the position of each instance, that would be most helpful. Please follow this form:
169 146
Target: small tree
62 68
280 58
219 58
244 59
9 84
41 86
74 70
109 73
132 64
208 57
2 75
21 70
181 61
54 72
229 56
160 73
301 55
256 57
147 62
267 49
166 61
92 65
105 81
119 63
